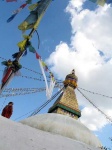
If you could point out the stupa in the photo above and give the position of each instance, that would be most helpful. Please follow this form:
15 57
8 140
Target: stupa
62 117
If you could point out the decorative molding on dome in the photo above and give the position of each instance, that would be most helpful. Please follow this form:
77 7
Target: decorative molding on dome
65 108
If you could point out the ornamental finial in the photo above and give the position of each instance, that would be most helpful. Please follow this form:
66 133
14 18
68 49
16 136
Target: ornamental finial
73 71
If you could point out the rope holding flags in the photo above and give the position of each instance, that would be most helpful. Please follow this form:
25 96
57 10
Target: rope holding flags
15 12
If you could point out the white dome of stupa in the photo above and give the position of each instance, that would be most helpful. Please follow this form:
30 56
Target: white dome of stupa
18 136
63 125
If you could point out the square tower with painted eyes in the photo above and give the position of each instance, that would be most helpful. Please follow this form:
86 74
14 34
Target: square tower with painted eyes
66 103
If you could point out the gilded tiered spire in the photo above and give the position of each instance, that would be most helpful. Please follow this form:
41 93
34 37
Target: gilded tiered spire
66 103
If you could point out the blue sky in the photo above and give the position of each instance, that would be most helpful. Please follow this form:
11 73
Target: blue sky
71 35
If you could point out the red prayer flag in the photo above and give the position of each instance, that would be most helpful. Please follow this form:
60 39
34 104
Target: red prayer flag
37 55
11 0
22 6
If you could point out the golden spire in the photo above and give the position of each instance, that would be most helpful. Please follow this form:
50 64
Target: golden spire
66 103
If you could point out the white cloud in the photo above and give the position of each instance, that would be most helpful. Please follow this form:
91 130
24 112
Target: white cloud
77 4
95 25
91 32
88 113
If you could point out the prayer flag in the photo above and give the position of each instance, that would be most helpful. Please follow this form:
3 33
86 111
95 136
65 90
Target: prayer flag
11 0
42 69
44 65
37 55
22 45
51 87
33 6
29 1
11 18
22 6
31 49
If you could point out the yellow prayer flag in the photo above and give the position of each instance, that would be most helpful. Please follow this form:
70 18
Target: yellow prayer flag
22 45
23 26
43 64
33 6
101 2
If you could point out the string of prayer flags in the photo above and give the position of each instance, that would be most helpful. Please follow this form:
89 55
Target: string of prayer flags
16 12
33 20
